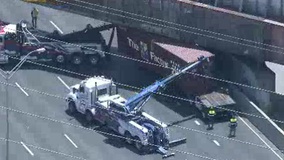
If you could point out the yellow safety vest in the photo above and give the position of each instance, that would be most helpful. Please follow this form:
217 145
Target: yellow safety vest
233 120
211 112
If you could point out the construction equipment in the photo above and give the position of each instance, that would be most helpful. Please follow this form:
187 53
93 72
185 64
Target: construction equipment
97 98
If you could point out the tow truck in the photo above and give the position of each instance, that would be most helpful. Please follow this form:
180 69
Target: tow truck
19 39
98 99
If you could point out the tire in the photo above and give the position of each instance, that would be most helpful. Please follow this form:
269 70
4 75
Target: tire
138 145
77 59
94 59
128 137
72 108
60 58
89 116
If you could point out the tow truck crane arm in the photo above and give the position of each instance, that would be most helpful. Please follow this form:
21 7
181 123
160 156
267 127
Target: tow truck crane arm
136 102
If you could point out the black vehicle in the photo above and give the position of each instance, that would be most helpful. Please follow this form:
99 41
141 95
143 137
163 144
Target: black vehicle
220 101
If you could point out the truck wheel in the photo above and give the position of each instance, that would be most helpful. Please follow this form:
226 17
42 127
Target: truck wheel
128 138
77 59
94 59
72 108
60 58
89 116
138 144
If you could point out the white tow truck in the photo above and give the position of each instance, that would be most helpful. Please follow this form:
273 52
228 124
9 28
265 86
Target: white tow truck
98 99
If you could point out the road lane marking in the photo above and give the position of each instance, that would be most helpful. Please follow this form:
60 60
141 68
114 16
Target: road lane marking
56 27
63 83
197 122
22 89
71 141
264 115
216 142
260 138
1 73
31 153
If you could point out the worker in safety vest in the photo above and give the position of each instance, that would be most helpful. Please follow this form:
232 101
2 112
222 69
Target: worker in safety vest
211 114
233 126
34 15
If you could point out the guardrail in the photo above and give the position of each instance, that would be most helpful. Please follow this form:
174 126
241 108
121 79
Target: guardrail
39 1
49 3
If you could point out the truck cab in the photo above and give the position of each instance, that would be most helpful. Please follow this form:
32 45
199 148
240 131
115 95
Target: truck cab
3 57
8 43
92 92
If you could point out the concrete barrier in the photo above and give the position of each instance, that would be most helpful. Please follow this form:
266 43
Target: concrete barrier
261 123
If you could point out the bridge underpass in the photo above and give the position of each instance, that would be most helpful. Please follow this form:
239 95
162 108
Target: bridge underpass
213 28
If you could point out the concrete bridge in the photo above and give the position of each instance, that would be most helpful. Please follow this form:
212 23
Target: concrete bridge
215 29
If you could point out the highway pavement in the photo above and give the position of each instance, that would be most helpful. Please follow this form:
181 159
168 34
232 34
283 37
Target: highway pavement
89 144
85 143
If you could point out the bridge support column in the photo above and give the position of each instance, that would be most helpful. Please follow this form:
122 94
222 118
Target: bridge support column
252 73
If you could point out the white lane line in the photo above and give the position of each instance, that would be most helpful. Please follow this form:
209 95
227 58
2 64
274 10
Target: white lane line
197 122
260 138
56 27
1 73
63 83
27 149
216 142
22 89
264 115
71 141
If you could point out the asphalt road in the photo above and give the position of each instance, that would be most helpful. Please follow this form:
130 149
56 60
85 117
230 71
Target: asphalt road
92 145
50 135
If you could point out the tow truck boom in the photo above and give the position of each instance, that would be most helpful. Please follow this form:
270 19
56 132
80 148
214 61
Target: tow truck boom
135 103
